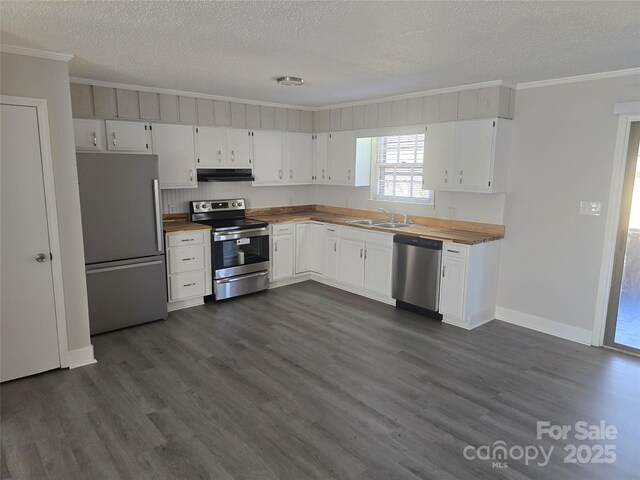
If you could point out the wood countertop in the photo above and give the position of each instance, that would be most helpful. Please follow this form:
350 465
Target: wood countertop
446 230
179 222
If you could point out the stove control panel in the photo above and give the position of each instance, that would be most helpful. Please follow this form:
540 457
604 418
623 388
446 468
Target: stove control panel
203 206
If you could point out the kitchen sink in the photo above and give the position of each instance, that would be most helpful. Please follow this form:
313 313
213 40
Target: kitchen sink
366 221
392 224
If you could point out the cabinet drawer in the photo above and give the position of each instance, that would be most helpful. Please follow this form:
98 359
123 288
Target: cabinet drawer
186 285
187 238
455 250
282 229
366 236
186 259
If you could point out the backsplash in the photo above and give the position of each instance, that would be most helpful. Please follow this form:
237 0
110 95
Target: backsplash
472 207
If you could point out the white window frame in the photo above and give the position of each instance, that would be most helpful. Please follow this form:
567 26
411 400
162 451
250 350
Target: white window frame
374 134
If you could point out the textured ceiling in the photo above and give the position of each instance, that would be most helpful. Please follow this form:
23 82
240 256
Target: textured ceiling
345 51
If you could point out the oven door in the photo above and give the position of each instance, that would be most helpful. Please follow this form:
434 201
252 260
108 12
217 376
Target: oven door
240 252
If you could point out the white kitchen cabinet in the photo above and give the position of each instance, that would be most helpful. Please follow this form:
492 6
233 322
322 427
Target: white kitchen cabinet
365 260
378 264
469 282
321 158
468 156
211 143
342 154
88 134
331 254
282 251
309 252
128 137
188 268
175 147
239 147
299 158
269 165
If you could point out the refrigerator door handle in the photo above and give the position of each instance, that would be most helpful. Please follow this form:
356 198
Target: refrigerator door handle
158 212
123 267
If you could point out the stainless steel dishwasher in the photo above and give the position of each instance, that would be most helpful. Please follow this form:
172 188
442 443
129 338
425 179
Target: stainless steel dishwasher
416 274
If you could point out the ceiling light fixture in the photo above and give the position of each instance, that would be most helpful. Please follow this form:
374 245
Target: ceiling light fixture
289 81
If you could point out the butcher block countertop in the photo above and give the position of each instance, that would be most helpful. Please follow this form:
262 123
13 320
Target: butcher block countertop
468 233
179 222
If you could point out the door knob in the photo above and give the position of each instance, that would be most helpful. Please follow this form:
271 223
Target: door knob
41 257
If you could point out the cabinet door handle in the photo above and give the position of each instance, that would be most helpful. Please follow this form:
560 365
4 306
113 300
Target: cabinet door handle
444 270
233 156
115 142
323 173
275 246
187 240
460 177
365 254
349 174
187 259
360 253
95 140
191 175
335 246
188 284
290 173
453 251
280 174
219 156
446 176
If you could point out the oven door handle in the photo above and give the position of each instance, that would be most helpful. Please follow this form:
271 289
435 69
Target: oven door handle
253 232
242 277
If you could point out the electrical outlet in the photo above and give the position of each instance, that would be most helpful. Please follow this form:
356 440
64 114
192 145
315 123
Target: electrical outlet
172 208
590 208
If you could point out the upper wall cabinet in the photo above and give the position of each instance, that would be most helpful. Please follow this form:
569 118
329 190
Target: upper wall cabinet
175 147
349 159
321 158
468 156
129 137
269 149
299 166
224 147
87 134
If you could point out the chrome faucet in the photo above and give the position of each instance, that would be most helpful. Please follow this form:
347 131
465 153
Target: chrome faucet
407 220
391 213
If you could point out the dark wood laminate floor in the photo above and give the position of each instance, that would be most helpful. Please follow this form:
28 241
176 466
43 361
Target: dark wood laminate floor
309 382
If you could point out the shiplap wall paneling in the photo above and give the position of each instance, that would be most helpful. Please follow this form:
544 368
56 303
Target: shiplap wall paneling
149 105
169 108
128 104
448 106
82 100
253 116
431 108
468 104
322 121
371 115
358 117
385 114
222 111
346 118
399 113
293 120
205 111
282 117
238 115
334 119
104 102
414 110
268 117
306 120
187 110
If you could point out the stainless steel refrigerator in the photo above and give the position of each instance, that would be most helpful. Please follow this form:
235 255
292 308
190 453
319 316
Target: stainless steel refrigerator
123 239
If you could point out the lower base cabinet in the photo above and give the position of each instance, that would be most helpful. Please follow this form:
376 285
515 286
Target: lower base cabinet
469 283
330 250
188 268
282 251
309 251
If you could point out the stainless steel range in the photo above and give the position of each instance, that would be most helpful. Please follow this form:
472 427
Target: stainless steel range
239 247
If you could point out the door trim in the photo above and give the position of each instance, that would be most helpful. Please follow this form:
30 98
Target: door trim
611 227
52 216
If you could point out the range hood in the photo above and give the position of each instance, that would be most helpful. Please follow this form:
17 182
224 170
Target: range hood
225 175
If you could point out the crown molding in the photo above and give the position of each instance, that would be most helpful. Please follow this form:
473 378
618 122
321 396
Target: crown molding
32 52
426 93
167 91
579 78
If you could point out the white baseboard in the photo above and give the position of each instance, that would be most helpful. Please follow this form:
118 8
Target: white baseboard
81 357
544 325
180 304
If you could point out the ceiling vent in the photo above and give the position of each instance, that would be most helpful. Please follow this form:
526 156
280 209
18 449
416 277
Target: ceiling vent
289 81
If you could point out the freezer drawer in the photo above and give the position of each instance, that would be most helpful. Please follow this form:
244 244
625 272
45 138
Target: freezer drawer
126 293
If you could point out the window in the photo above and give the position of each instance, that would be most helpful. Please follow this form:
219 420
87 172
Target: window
398 169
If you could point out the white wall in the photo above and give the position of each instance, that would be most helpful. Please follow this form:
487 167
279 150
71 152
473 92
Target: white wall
562 149
25 76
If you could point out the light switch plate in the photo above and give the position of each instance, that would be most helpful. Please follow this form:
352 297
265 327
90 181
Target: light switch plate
590 208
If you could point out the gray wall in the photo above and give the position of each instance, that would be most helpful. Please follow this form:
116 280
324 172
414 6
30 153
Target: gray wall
562 151
49 79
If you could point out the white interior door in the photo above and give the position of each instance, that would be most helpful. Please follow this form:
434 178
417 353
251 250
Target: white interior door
28 328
